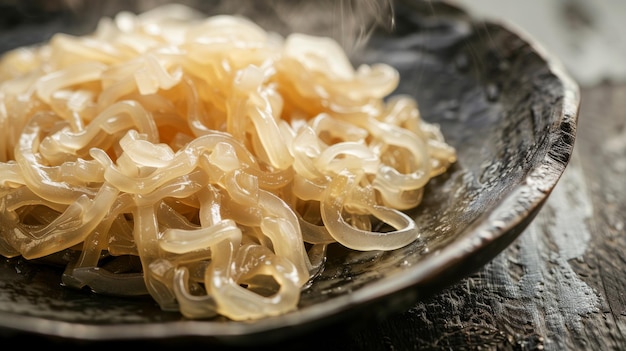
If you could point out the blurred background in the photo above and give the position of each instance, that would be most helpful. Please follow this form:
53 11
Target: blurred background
348 21
587 36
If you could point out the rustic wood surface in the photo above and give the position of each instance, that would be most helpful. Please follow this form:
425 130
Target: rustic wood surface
560 285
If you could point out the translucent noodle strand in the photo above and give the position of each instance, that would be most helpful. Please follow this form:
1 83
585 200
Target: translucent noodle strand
205 161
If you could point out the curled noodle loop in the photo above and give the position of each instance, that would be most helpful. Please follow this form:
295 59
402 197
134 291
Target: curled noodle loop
204 160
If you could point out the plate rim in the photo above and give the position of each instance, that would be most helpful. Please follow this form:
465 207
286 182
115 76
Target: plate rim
487 230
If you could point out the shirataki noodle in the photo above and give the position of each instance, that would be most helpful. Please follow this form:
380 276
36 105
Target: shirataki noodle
221 158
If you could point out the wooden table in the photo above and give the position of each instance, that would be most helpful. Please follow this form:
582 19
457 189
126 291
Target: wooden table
561 284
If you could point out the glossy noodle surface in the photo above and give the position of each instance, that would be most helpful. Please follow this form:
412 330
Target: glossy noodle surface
204 160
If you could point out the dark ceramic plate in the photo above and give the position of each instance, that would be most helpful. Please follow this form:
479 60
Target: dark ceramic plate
510 111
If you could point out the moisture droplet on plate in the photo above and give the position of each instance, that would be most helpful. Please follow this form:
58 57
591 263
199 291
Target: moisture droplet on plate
492 91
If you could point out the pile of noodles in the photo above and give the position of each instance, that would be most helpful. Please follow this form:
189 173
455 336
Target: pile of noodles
224 158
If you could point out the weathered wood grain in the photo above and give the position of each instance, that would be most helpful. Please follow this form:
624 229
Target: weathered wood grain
561 284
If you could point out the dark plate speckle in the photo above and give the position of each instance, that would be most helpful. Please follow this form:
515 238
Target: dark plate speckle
507 108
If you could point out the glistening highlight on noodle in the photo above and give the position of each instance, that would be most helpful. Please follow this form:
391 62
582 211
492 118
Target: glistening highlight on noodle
205 161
